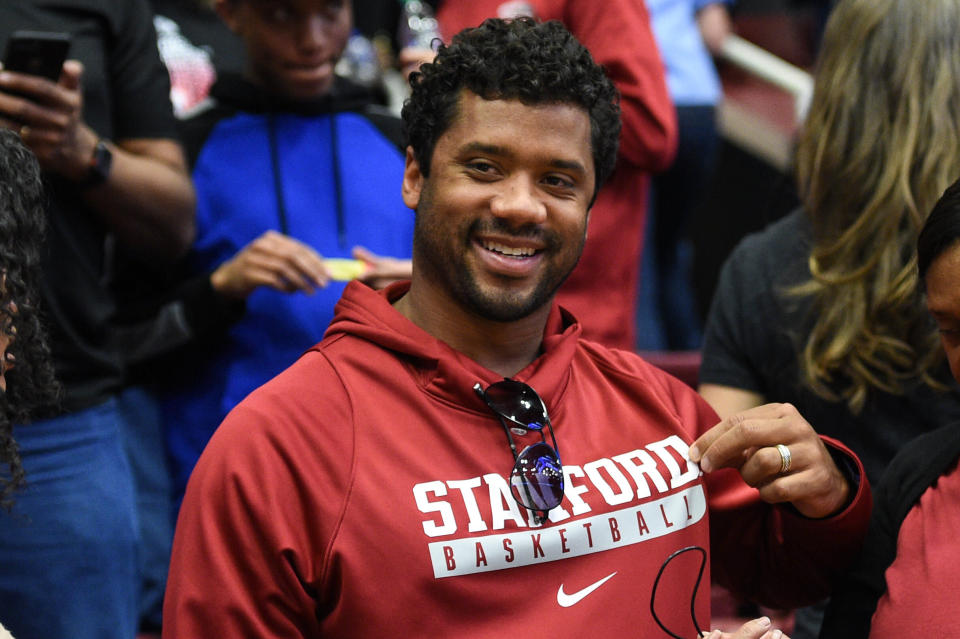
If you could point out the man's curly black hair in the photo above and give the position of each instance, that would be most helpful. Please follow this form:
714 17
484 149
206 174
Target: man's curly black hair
32 390
520 59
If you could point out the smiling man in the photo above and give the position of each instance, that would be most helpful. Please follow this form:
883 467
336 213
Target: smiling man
404 477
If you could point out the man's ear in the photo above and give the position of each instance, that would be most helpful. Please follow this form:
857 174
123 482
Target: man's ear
412 181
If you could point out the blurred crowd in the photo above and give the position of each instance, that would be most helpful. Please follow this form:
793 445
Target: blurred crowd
186 201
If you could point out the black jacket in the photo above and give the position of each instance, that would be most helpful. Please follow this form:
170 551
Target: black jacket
907 477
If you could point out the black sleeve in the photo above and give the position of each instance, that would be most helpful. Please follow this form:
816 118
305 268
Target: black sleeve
734 331
908 476
140 83
193 317
855 598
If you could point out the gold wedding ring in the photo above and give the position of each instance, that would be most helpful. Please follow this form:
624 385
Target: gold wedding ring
785 458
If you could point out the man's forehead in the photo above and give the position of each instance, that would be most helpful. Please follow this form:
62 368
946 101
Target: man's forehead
485 122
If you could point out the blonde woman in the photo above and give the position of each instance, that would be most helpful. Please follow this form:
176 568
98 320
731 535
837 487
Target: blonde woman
822 308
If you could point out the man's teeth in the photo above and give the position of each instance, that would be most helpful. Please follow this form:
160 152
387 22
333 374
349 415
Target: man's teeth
512 251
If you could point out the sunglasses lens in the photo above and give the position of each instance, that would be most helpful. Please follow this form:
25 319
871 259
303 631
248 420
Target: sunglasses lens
516 401
537 478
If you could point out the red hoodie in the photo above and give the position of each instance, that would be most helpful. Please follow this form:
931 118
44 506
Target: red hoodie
362 493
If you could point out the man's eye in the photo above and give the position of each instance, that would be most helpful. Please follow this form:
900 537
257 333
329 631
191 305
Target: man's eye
482 167
556 180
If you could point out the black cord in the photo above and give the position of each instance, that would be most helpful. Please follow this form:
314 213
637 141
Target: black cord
693 597
337 186
277 176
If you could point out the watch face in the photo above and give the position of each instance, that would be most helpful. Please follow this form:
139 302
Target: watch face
99 165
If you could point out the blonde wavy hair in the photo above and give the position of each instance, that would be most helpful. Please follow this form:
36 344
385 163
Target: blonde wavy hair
880 145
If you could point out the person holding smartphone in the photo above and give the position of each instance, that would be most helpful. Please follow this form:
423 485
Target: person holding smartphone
105 138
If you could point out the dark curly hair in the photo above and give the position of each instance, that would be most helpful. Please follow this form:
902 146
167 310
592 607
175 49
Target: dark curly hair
940 232
518 59
32 390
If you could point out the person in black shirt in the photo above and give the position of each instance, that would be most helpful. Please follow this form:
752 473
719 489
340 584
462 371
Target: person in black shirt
105 137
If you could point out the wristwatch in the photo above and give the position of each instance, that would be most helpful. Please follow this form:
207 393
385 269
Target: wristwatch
98 169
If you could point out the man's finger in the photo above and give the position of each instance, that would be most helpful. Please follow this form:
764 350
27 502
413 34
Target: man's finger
70 75
298 262
729 443
311 265
706 440
753 629
767 462
303 257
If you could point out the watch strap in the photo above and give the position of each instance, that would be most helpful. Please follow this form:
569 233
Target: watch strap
98 169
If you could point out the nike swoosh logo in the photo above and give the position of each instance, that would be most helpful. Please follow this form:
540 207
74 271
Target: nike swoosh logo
566 600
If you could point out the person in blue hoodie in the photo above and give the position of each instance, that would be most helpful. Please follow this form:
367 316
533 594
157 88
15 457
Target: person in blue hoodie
292 165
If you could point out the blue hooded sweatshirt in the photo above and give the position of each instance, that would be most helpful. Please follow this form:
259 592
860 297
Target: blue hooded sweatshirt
327 173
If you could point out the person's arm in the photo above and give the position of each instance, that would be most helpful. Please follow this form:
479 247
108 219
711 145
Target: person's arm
748 442
762 547
147 199
713 20
855 597
906 478
273 260
204 306
250 554
736 336
805 522
727 400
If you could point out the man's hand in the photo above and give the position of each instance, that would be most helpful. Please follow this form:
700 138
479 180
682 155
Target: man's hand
49 117
756 629
382 271
273 260
747 441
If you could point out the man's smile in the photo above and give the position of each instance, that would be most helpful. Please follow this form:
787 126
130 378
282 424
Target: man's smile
512 251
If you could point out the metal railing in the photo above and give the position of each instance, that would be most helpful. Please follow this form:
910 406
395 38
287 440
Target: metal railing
778 72
740 125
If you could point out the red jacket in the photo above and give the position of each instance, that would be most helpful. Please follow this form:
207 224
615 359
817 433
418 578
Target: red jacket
362 494
601 291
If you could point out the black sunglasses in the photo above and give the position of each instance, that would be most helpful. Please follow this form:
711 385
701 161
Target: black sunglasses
536 480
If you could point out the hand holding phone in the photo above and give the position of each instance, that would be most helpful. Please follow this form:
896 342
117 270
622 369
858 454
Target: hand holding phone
42 99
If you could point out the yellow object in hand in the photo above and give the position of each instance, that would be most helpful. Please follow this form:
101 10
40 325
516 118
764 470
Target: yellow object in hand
344 269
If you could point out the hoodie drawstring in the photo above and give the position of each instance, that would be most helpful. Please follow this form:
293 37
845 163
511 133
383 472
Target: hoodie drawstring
278 180
337 187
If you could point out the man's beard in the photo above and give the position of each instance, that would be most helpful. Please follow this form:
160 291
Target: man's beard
445 263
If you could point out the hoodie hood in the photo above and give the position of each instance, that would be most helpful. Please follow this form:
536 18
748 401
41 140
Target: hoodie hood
448 374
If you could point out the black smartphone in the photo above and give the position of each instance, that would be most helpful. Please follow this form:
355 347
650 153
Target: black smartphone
37 53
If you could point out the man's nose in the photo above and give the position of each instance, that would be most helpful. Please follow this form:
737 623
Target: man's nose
519 201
